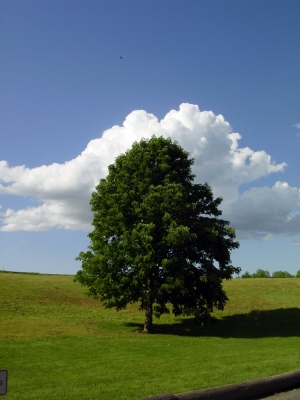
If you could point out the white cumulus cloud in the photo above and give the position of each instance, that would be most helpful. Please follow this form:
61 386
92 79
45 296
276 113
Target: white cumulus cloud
298 127
266 212
64 190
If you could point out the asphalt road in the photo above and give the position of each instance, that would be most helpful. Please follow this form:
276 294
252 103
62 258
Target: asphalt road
291 395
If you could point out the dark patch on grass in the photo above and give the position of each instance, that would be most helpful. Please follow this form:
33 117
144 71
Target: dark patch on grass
282 322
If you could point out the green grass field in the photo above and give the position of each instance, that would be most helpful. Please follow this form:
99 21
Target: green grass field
57 343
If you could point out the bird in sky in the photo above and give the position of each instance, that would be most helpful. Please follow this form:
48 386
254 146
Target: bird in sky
121 57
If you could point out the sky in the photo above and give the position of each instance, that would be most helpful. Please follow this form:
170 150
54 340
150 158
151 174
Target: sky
80 81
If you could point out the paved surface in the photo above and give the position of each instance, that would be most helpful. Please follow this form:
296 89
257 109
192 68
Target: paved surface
292 395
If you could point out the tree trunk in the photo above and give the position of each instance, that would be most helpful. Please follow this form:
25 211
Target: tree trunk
148 307
148 317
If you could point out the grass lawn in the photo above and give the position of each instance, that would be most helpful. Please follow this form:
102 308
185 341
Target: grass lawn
56 343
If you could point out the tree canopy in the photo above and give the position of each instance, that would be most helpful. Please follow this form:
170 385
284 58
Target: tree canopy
157 236
260 273
282 274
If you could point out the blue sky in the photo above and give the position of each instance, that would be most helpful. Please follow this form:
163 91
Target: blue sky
63 84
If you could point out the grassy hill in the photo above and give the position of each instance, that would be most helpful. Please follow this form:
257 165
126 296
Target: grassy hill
57 343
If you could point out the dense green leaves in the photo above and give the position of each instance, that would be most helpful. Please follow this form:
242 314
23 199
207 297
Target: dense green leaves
282 274
260 273
157 238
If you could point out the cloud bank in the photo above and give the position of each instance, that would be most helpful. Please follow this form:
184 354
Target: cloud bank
63 190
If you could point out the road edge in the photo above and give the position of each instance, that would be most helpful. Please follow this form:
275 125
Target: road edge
249 390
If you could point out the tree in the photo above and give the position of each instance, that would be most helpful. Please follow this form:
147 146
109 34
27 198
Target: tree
260 273
246 275
298 274
281 274
157 239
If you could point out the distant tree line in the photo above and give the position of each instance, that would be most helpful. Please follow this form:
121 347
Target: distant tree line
260 273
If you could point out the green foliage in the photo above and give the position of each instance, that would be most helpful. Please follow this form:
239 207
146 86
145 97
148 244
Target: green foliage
260 273
281 274
157 238
246 275
298 274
